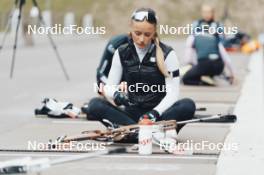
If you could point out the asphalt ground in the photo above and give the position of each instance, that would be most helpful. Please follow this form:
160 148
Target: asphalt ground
37 75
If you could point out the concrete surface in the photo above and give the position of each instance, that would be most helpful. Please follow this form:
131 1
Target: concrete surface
247 133
38 75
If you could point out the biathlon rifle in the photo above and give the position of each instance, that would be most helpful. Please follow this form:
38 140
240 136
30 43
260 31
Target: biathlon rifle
117 134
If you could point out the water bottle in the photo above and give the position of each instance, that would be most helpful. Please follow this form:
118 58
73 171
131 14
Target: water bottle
145 136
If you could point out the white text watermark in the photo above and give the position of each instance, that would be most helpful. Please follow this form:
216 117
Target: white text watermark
58 29
137 87
204 145
71 146
190 30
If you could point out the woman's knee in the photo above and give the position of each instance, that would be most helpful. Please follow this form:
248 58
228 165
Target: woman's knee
95 108
183 109
188 106
185 79
191 77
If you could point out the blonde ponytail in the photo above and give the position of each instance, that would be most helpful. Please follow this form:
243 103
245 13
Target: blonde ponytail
160 59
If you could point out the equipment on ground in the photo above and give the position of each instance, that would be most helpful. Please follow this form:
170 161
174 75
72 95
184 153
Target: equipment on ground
123 132
19 5
27 164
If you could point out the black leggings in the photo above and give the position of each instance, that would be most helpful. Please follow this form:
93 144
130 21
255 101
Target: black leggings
204 67
99 109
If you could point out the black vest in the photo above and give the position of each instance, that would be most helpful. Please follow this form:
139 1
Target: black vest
145 74
206 44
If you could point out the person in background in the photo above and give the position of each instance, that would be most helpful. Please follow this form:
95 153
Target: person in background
107 57
205 50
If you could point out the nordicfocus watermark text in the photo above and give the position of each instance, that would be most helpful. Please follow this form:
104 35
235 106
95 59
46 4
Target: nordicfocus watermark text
189 29
138 87
58 29
200 146
71 146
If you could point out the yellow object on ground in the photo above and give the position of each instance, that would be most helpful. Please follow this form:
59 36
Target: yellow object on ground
250 47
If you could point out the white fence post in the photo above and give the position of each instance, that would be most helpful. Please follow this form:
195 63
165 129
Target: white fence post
69 19
87 21
47 18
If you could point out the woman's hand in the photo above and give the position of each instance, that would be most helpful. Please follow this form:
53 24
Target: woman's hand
121 98
231 79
